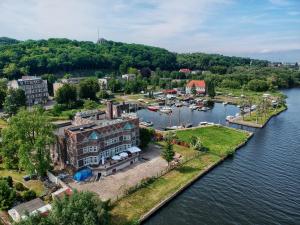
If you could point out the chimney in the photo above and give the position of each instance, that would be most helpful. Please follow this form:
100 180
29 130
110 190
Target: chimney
109 110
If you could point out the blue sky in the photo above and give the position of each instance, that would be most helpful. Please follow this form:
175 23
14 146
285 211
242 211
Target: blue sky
232 27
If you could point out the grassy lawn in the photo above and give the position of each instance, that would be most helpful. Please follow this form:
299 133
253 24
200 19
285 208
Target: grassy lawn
35 185
219 140
234 95
184 151
133 206
263 119
3 123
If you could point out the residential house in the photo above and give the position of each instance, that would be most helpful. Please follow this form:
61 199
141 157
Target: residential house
72 80
185 70
34 206
35 88
128 77
199 86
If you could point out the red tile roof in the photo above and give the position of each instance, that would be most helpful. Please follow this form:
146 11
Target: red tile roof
197 83
185 70
171 91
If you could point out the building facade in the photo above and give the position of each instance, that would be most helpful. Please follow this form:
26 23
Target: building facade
35 88
72 80
91 142
199 86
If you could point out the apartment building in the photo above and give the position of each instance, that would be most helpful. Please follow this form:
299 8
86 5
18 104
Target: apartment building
105 145
35 88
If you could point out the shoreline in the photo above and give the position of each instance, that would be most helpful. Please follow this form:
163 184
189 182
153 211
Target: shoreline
256 125
202 173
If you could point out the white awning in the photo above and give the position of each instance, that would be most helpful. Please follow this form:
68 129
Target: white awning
116 157
123 154
134 149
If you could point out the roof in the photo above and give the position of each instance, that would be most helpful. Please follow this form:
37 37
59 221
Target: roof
185 70
197 83
29 206
171 91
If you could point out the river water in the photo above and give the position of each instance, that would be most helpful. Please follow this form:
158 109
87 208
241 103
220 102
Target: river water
259 185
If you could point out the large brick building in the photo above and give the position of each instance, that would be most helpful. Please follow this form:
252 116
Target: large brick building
94 142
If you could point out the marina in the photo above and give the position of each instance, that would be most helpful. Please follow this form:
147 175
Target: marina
247 188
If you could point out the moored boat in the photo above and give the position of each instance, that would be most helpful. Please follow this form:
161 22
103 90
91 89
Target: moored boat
153 108
174 128
166 109
146 123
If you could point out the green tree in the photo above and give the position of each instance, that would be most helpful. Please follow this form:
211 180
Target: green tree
50 81
168 151
102 94
90 104
132 70
7 195
80 208
193 90
14 100
32 134
210 88
88 88
67 94
146 135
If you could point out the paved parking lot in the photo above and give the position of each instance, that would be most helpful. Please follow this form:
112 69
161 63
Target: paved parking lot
114 185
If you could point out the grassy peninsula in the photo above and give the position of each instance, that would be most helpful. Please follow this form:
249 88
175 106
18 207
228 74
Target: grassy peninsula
220 141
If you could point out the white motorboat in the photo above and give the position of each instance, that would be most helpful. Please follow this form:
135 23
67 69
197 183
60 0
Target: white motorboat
166 109
193 107
174 127
146 123
229 118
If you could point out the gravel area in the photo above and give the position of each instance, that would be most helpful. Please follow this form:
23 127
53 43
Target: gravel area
114 185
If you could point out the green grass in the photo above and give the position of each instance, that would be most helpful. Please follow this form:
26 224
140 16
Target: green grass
219 140
262 119
3 123
35 185
133 206
234 95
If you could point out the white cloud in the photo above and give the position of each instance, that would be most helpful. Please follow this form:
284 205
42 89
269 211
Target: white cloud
179 25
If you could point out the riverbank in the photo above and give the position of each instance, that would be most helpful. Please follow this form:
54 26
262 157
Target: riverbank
253 121
143 202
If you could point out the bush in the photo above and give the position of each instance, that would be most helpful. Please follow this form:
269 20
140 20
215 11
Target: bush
8 179
20 187
29 195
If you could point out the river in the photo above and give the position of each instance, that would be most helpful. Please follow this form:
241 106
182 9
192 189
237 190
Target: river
259 185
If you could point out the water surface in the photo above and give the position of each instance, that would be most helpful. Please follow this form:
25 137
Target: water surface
260 185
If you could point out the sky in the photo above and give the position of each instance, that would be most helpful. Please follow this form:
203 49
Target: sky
260 28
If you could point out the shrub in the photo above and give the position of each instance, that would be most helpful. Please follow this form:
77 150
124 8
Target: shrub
29 195
20 187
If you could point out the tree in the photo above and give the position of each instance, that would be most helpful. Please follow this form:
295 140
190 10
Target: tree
7 195
80 208
14 100
102 94
50 81
146 135
168 151
193 89
210 88
67 94
132 70
32 134
88 88
90 104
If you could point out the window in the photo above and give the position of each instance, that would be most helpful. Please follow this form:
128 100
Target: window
126 137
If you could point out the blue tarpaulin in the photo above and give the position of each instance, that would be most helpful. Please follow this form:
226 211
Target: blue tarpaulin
83 174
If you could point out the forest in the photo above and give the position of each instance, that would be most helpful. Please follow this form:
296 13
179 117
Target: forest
36 57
